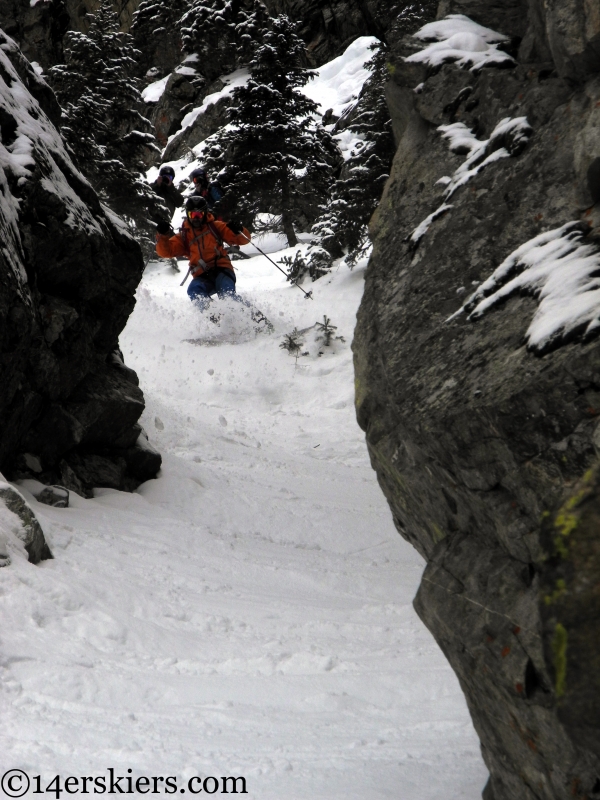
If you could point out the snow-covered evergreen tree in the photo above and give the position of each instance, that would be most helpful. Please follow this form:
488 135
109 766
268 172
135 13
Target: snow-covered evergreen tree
156 30
223 33
110 139
355 195
274 153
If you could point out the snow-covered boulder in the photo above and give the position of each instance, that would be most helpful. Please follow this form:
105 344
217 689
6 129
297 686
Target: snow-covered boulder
20 532
564 33
69 272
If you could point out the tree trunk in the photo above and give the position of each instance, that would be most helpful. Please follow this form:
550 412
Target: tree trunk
286 216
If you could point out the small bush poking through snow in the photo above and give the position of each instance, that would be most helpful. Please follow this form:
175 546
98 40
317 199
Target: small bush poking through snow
292 342
319 261
326 331
311 341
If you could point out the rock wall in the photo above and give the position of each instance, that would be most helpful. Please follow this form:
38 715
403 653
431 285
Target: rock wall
68 273
476 433
39 27
328 28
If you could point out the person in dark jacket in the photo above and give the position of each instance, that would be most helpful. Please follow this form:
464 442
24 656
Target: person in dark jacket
211 191
165 188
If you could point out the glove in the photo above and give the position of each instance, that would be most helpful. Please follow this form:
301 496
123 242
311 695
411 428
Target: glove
163 228
235 226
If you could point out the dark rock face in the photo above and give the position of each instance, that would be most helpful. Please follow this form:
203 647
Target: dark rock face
68 275
179 97
205 125
39 29
328 28
472 435
571 609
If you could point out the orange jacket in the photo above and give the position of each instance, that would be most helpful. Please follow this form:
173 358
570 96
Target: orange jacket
200 244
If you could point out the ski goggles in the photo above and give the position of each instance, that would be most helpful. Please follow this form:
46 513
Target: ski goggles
167 178
196 214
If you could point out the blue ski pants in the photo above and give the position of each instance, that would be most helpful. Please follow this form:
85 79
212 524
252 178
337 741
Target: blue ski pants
202 287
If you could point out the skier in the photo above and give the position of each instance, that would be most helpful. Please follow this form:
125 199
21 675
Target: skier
202 240
165 188
211 191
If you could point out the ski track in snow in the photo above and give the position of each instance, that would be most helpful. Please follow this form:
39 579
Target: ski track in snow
248 612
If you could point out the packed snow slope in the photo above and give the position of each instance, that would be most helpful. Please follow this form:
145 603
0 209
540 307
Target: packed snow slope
248 612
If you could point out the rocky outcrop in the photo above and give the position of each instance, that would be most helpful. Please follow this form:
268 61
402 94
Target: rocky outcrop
39 27
179 97
68 405
212 117
328 28
571 609
19 528
480 423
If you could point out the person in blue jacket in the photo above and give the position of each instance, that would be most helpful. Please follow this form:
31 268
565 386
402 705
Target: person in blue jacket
211 191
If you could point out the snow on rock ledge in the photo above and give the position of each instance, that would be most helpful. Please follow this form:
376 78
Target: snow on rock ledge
562 274
509 138
460 40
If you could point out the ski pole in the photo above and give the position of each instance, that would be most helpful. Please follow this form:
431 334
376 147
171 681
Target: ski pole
307 295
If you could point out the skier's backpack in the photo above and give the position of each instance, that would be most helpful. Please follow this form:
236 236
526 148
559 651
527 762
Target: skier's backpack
214 193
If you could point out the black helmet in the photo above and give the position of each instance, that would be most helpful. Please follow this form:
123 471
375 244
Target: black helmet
198 174
196 203
168 171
